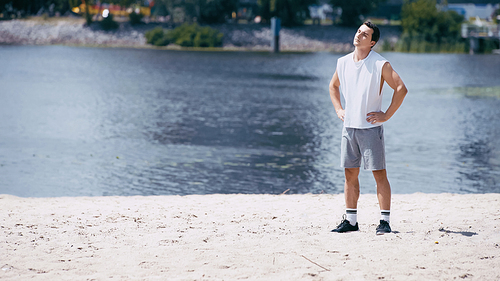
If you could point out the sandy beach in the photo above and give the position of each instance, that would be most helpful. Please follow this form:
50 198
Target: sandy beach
249 237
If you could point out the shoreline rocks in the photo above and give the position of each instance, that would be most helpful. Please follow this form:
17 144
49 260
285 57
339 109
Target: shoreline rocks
31 32
72 31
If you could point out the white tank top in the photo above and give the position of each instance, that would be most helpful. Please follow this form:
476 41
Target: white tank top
360 86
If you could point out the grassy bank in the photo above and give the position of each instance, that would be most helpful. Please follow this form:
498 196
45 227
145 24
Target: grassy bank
415 45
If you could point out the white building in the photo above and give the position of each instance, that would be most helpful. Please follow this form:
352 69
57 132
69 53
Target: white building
321 12
472 11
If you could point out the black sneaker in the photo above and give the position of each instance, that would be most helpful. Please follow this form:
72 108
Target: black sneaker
383 227
345 226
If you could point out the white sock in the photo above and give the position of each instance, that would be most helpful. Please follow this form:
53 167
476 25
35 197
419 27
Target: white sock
352 216
385 215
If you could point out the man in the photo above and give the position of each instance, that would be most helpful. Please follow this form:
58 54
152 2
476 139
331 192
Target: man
360 76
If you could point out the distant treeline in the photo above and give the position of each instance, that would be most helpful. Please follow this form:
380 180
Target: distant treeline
291 12
23 8
425 27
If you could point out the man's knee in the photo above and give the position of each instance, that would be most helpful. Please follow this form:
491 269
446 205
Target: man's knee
380 175
380 172
351 174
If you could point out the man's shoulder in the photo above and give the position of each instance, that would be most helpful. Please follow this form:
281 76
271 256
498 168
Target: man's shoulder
378 57
346 57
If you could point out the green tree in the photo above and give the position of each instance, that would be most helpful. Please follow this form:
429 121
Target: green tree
427 29
353 10
88 16
109 23
123 3
418 18
163 7
3 6
422 19
264 9
30 7
216 11
74 3
292 12
205 11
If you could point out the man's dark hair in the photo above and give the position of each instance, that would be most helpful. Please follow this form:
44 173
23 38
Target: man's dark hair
376 31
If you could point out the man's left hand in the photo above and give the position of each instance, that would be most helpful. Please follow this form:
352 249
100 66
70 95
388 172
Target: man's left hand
376 117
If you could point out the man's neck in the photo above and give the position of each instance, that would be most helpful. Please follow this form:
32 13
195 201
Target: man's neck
360 53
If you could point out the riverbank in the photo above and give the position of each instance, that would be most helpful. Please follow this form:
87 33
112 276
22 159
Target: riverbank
72 31
254 237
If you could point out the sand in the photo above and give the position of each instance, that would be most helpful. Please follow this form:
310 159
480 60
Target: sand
248 237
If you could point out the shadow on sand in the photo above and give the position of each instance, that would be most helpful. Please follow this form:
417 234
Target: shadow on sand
464 233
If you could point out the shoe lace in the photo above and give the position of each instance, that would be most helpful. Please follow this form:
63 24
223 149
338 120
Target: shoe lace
344 221
383 224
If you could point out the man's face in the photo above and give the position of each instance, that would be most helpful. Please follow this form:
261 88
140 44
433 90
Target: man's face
363 37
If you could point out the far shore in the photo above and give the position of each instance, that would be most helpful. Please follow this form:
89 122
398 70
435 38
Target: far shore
248 237
72 31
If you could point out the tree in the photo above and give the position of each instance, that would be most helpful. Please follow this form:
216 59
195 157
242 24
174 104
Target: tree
292 12
427 29
264 9
423 20
205 11
30 7
4 5
353 10
74 3
216 11
163 7
88 16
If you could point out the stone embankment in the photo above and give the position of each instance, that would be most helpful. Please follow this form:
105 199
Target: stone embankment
72 31
66 32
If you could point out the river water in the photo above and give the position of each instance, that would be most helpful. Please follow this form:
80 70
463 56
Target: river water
96 121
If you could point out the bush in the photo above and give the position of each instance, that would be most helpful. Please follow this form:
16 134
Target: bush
387 46
207 37
108 23
186 35
162 42
135 18
154 35
418 44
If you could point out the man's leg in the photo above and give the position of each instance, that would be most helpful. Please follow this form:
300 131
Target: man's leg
351 193
350 156
384 200
383 189
351 188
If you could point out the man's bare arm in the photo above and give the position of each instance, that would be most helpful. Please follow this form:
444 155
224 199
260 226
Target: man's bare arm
396 83
335 96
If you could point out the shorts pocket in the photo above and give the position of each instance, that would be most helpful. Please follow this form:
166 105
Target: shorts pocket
381 132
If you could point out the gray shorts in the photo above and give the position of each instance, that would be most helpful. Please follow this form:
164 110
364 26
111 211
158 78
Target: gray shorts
363 144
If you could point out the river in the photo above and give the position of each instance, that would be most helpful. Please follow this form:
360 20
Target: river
108 121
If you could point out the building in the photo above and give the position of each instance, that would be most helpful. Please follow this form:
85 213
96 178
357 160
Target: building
321 12
473 11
